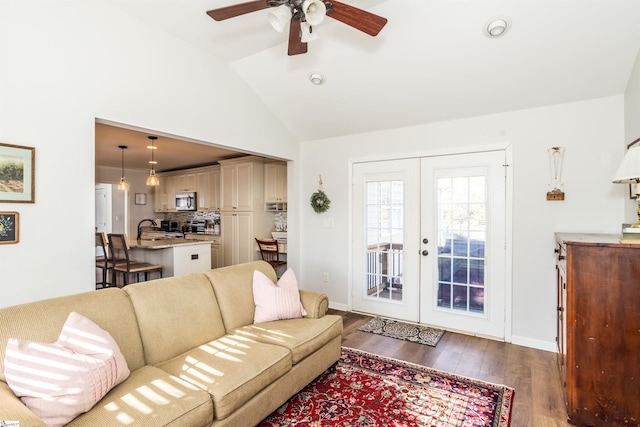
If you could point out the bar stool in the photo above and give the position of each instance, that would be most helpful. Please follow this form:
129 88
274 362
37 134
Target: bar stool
102 259
118 246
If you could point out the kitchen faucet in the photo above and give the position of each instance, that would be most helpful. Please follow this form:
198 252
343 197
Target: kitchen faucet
155 224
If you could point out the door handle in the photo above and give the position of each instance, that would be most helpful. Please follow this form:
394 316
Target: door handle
425 240
425 252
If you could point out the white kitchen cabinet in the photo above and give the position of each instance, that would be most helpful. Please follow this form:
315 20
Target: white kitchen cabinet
165 194
214 178
275 186
203 190
204 181
241 184
216 256
239 230
216 246
208 188
186 182
239 243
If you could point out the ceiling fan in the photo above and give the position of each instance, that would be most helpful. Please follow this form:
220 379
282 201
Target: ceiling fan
302 16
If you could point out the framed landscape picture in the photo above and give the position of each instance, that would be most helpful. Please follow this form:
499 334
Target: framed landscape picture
9 227
17 173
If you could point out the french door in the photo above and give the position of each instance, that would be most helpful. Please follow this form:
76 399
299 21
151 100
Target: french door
429 241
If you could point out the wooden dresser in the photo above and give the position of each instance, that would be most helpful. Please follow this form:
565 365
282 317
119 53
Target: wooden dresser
598 338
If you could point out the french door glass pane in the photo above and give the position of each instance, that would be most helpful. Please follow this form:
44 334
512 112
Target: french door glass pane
461 206
385 247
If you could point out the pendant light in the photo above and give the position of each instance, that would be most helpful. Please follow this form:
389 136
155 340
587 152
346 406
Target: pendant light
124 185
153 180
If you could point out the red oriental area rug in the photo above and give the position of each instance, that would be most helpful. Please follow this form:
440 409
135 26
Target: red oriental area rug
365 390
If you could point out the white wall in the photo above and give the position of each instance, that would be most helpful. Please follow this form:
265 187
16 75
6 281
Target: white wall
591 131
632 127
64 64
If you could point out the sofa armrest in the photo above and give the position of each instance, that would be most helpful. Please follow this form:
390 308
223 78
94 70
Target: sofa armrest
12 409
315 303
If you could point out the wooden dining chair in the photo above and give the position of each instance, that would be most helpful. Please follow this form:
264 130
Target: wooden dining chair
270 252
119 249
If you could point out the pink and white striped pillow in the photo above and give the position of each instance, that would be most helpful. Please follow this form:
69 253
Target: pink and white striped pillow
276 301
59 381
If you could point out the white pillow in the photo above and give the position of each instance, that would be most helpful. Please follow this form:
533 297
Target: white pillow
276 301
62 380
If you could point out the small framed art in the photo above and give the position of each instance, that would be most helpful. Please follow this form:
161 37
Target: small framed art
141 198
9 227
17 173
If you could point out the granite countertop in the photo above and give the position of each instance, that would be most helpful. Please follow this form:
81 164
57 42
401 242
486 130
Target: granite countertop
165 243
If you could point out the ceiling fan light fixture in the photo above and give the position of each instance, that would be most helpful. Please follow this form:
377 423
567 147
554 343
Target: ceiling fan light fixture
314 11
316 78
307 32
279 17
497 27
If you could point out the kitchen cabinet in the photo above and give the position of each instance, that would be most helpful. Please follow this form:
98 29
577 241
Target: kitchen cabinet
216 246
204 181
599 328
239 244
275 186
208 189
185 182
165 194
177 256
241 212
241 183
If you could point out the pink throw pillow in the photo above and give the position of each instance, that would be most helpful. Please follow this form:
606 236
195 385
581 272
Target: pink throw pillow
276 301
62 380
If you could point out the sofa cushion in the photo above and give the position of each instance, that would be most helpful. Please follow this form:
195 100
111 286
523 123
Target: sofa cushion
175 314
301 336
232 369
150 397
276 301
42 321
59 381
233 287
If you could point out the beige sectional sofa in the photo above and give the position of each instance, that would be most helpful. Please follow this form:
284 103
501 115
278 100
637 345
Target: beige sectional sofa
195 356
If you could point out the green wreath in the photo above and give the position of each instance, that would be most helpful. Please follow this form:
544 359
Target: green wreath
320 202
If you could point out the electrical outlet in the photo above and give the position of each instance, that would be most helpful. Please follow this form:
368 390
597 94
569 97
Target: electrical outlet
325 277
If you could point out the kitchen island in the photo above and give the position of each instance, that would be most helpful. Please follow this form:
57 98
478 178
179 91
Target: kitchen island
177 256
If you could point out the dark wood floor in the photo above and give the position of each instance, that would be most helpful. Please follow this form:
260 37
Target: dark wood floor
534 374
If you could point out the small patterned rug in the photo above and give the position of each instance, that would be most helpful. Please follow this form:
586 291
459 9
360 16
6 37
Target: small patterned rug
366 390
403 331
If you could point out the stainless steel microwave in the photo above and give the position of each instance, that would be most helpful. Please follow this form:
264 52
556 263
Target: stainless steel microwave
186 201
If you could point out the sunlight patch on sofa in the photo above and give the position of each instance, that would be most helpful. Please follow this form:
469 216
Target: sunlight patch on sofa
136 404
172 390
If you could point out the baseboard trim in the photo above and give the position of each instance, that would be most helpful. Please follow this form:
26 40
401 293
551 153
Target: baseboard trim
533 343
335 306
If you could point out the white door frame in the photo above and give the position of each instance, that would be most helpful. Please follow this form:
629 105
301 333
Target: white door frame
508 149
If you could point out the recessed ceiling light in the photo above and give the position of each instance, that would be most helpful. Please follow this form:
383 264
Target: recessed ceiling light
497 27
316 78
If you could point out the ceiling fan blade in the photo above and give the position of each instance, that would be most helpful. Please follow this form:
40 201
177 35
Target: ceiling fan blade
237 9
296 46
357 18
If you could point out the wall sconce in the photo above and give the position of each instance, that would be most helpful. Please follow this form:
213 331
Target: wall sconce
556 186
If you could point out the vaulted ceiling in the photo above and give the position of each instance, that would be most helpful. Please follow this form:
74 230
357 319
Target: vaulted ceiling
432 62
